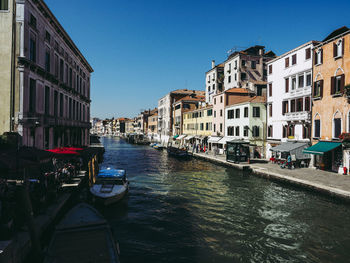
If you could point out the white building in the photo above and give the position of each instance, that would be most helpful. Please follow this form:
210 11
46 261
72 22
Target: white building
213 81
289 96
164 117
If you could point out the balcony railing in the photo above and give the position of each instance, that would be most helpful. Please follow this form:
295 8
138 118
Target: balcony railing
296 116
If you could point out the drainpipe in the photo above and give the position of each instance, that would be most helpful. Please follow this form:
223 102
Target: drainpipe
13 63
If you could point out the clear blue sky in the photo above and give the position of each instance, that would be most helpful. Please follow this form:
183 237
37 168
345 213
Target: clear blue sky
141 50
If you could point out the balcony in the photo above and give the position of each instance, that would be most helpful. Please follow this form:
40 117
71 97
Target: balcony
305 91
298 116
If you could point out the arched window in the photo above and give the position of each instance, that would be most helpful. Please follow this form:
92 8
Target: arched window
338 48
317 126
337 124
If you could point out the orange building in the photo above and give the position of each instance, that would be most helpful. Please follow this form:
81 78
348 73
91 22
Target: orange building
330 111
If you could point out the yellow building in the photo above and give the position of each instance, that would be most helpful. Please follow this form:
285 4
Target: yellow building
198 123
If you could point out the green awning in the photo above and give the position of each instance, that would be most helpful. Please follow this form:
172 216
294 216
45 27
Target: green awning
176 136
322 147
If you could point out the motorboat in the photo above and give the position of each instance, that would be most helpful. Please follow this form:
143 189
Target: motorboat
158 146
83 235
179 153
111 185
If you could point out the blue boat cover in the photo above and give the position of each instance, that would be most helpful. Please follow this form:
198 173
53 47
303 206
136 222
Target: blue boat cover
111 173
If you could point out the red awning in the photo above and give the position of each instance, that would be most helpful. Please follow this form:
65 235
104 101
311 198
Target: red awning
63 151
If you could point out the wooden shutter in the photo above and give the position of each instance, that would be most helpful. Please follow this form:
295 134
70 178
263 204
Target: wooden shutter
270 89
342 47
315 58
334 50
321 56
332 85
342 81
287 85
321 88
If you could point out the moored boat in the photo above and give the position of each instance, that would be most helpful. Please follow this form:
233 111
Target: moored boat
82 236
111 186
158 146
178 153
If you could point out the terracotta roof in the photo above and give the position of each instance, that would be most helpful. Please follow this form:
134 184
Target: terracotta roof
188 91
238 90
336 32
192 98
242 99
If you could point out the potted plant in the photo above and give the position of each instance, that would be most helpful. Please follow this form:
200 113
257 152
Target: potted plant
347 90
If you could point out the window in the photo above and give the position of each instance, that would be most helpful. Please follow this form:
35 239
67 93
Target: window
306 131
237 130
287 85
220 113
243 63
284 131
4 4
209 112
292 106
338 49
337 127
301 81
286 62
32 21
229 79
269 131
318 89
70 77
236 64
253 65
243 76
202 126
319 57
284 107
270 89
270 110
213 86
55 103
61 69
294 83
220 127
337 84
256 131
32 49
238 113
214 113
307 104
235 76
317 128
56 65
47 100
214 127
307 53
294 59
47 36
231 114
32 96
245 112
214 101
245 131
291 130
256 112
300 104
220 99
47 60
270 69
61 105
230 131
308 79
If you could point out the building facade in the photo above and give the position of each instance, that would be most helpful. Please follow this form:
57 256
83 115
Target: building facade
331 110
289 87
45 80
213 81
198 122
246 120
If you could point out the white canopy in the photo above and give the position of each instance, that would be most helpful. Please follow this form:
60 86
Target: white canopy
189 137
225 139
214 139
181 137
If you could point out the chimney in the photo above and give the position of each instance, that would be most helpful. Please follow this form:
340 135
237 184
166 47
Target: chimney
261 51
213 64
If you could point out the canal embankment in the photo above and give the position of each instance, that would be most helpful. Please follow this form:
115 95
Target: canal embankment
323 182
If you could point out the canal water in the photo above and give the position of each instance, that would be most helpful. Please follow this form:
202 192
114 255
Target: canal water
194 211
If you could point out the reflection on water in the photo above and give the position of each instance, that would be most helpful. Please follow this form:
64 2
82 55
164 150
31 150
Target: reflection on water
193 211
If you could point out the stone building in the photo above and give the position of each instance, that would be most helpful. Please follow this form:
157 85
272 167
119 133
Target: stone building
44 78
289 97
330 97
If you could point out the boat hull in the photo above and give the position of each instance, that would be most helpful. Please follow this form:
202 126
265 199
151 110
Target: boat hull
108 200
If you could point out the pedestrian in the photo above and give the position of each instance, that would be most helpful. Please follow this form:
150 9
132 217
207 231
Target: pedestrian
289 162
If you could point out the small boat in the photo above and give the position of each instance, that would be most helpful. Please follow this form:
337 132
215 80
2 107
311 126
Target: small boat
82 236
158 146
178 153
152 144
111 186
